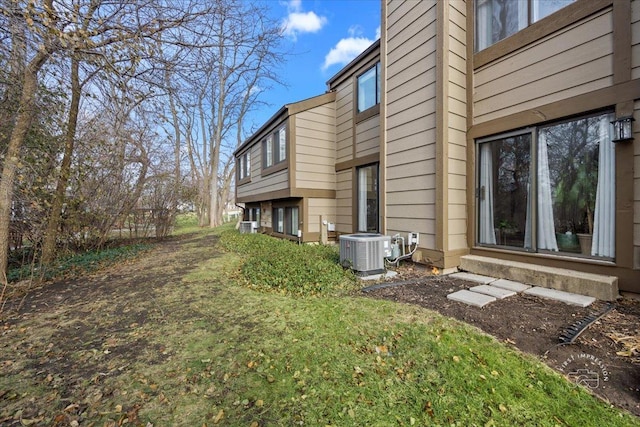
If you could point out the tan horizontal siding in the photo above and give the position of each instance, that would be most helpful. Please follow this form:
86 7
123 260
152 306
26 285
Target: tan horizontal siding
274 182
344 122
571 62
315 148
455 135
344 212
325 208
368 137
635 39
410 119
411 197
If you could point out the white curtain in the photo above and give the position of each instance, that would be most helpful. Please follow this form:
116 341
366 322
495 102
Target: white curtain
362 199
486 223
546 226
603 243
483 24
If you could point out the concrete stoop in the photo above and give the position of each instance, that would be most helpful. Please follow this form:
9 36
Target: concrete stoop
598 286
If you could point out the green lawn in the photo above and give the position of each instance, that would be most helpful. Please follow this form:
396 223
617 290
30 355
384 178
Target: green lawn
263 358
241 330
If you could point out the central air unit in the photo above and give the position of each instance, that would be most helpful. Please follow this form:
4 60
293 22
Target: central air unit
365 253
247 227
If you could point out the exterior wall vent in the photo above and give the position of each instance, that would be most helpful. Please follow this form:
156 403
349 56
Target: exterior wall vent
364 253
247 227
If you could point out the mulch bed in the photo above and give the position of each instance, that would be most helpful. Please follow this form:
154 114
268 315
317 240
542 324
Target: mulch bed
605 356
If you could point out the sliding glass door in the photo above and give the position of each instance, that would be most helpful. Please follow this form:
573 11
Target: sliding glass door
549 189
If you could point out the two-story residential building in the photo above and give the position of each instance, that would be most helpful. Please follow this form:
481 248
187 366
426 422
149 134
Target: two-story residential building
490 128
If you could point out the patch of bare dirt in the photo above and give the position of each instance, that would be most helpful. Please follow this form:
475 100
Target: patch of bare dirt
607 349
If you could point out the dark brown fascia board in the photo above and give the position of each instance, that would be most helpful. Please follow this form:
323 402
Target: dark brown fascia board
348 69
564 17
282 114
273 122
275 196
309 103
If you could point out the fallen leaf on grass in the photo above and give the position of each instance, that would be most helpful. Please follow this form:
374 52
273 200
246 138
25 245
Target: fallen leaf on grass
219 417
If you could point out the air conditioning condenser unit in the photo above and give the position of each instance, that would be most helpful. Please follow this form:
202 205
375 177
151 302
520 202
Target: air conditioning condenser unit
365 253
247 227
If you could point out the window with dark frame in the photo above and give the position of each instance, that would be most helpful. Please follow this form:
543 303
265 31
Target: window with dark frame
369 88
550 188
286 220
274 147
244 166
367 202
499 19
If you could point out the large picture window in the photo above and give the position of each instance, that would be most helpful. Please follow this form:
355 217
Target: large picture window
369 88
368 199
499 19
550 188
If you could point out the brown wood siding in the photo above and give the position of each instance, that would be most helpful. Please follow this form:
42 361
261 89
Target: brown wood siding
315 148
258 185
573 61
368 137
344 202
410 119
635 39
278 181
344 121
456 136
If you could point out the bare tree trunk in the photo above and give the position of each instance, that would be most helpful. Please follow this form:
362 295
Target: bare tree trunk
11 161
49 243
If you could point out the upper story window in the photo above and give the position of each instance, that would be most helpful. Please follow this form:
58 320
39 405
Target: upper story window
499 19
369 88
274 147
244 166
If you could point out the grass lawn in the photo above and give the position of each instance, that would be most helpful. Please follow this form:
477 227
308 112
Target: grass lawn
256 358
216 348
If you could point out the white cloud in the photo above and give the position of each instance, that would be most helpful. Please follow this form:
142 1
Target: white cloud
345 50
378 32
303 22
298 21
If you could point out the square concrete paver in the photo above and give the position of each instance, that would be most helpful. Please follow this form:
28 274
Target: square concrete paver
471 298
493 291
510 285
566 297
485 280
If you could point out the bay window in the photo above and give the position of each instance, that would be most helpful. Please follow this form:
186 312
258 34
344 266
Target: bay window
549 189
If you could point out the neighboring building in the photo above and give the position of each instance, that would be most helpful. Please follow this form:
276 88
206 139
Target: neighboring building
485 126
285 171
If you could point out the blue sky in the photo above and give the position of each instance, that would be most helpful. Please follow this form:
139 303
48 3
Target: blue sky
323 36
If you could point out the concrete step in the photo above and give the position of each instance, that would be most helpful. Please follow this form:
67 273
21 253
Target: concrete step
595 285
566 297
471 298
493 291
